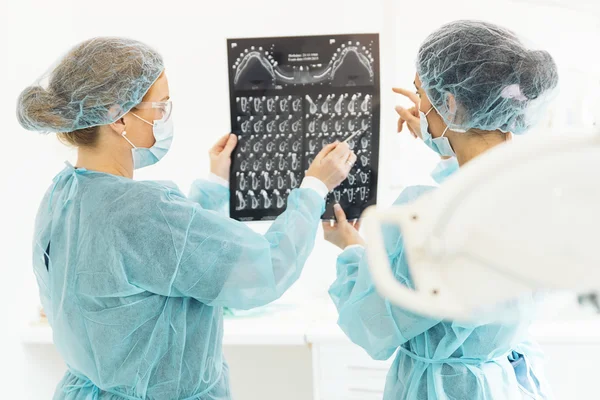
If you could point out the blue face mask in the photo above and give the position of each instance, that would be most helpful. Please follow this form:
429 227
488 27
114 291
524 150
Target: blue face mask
440 145
163 135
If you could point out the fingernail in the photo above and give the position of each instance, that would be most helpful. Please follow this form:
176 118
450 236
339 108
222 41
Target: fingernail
337 206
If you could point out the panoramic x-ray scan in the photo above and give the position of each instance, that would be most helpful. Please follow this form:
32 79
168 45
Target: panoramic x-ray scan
290 97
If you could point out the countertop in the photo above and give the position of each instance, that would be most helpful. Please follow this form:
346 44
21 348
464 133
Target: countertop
283 324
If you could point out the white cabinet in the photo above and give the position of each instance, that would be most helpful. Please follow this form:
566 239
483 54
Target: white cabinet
343 371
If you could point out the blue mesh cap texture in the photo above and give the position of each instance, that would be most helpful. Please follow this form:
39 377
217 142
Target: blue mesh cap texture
495 81
95 83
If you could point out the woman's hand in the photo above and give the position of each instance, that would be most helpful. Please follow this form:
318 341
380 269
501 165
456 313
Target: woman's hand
220 156
342 233
332 165
410 116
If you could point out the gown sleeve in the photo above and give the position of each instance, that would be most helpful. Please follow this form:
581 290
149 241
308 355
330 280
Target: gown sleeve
369 320
170 245
210 195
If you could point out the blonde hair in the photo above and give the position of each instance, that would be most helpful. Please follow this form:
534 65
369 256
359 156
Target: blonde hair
94 84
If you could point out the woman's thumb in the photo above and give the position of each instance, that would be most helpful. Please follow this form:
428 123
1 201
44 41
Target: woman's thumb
340 215
230 145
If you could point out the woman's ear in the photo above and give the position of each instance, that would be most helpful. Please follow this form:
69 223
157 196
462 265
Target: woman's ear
451 103
456 114
118 126
114 111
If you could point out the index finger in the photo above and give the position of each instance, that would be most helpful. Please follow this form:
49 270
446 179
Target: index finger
412 96
326 150
342 150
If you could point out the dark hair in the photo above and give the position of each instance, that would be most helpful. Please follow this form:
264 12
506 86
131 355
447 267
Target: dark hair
491 74
538 73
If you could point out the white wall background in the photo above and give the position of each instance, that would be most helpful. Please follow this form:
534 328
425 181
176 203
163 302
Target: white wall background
191 36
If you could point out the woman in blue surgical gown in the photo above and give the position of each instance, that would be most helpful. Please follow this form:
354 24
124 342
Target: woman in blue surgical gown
134 275
476 85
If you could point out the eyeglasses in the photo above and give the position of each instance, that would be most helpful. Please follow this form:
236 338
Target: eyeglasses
164 108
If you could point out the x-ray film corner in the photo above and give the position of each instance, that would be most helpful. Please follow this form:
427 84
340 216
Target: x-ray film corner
492 234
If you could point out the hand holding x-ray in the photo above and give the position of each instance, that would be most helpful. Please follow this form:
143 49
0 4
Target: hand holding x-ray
342 233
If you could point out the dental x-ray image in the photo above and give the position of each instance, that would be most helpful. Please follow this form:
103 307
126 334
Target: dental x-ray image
290 97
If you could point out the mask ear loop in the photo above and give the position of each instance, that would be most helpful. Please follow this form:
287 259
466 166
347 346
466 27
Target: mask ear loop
447 127
125 132
138 117
445 130
128 141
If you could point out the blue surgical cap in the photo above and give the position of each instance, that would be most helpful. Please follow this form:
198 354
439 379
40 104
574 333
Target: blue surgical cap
481 76
96 83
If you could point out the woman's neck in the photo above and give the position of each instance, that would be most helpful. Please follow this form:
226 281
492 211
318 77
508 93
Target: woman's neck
95 159
471 145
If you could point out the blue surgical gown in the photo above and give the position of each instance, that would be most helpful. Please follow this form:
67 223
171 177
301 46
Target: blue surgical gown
434 359
444 169
134 276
